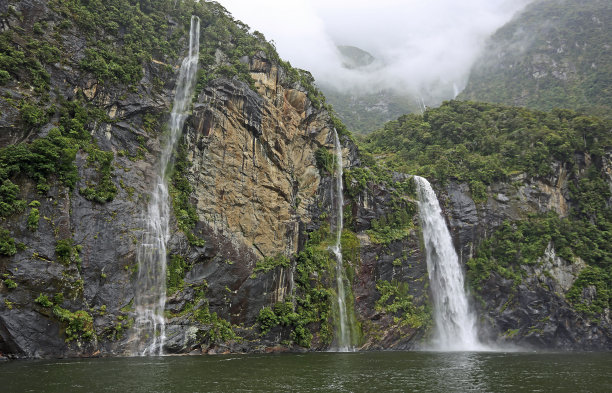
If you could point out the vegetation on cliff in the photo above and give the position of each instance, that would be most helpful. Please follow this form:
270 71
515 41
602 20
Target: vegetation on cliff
480 143
555 54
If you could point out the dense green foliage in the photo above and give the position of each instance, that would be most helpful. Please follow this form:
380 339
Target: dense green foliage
394 225
481 143
326 162
67 252
175 274
78 325
52 157
33 216
7 243
26 62
396 300
555 54
310 310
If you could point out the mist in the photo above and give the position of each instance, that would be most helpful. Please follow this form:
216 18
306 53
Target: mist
418 45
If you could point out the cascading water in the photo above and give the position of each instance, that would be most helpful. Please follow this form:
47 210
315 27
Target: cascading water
455 323
344 334
150 298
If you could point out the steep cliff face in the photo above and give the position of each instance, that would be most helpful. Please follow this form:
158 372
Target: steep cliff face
540 300
252 202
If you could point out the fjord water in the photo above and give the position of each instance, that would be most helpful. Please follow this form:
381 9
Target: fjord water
455 322
150 291
318 372
344 343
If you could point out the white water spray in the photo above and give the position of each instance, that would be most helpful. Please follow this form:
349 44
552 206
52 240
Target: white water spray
344 333
455 323
150 297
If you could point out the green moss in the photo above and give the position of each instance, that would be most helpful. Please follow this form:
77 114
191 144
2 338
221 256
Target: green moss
511 333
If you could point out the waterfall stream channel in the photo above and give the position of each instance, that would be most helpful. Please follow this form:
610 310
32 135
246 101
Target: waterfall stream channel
150 296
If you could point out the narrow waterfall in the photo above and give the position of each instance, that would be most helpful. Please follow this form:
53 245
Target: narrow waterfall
455 323
344 334
150 297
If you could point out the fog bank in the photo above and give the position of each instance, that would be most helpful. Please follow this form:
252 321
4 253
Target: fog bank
418 45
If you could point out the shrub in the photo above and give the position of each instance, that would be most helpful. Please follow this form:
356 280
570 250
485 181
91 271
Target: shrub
44 301
4 77
7 243
33 219
267 319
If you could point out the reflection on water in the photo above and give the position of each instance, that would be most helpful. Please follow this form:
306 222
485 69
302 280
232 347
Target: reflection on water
318 372
459 371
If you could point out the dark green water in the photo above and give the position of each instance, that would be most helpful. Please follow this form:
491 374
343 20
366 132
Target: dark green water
318 372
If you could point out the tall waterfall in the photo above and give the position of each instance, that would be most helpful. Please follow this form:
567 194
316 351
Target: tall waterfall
455 323
150 298
344 333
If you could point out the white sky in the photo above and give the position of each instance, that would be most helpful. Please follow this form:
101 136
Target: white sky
419 43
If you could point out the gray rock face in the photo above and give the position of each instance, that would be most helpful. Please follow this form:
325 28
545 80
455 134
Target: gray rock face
536 314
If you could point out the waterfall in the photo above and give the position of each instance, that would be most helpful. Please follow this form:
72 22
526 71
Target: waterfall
455 323
150 297
344 334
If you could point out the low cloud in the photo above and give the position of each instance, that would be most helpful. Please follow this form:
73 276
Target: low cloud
419 45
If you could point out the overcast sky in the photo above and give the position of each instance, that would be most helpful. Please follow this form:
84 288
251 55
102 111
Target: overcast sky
417 43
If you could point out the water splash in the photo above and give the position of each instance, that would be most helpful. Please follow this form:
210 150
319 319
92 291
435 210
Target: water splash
456 328
344 334
150 297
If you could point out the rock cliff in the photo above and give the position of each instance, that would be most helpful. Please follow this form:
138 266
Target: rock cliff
82 124
534 308
251 191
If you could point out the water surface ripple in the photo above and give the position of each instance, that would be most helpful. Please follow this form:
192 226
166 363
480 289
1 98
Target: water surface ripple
318 372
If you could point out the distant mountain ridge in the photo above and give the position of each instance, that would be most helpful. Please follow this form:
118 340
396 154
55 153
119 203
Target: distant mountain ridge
555 54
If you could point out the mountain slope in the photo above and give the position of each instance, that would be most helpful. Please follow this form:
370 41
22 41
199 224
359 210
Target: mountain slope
555 54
